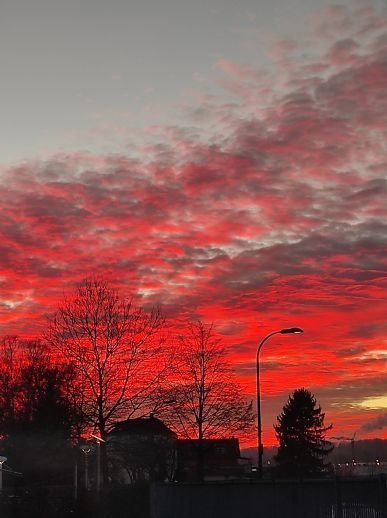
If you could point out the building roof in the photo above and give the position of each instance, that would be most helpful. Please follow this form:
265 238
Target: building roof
142 426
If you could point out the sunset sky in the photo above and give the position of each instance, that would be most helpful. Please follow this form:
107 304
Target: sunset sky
227 160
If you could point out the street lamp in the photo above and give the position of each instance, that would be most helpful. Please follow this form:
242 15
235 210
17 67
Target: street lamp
98 440
290 330
2 460
85 448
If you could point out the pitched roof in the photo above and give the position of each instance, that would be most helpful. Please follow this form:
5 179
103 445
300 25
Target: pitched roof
142 426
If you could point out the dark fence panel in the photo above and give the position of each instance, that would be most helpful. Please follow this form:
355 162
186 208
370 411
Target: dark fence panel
334 498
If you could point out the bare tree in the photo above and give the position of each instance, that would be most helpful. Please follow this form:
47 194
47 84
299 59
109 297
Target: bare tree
206 400
115 348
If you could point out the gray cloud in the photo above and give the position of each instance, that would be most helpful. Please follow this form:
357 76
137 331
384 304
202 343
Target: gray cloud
377 423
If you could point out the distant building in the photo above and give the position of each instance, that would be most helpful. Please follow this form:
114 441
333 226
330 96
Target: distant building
360 469
221 460
145 449
141 449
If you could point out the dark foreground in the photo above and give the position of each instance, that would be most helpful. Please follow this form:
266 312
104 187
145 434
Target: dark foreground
330 498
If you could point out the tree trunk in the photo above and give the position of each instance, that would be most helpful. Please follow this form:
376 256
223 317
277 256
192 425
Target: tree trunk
200 458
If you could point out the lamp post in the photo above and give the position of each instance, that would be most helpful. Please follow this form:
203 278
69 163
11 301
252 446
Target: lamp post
85 448
290 330
2 460
98 440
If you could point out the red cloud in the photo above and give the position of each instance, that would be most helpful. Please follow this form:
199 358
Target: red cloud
280 221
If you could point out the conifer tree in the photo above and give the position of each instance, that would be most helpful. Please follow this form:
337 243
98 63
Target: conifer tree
300 431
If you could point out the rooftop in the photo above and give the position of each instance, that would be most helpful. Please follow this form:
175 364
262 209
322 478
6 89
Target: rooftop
142 425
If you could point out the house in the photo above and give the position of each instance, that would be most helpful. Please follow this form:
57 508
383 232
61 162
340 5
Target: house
141 449
221 460
145 449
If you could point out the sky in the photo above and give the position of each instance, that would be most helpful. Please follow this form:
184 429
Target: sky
227 160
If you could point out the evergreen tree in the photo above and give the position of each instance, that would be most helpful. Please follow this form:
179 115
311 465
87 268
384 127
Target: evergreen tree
301 434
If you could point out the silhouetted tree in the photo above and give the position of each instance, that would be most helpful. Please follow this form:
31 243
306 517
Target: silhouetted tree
206 400
115 348
35 426
9 381
301 432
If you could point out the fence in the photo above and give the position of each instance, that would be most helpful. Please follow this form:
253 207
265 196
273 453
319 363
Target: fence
331 498
354 510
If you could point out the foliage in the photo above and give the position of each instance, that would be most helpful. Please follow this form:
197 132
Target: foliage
9 382
36 422
301 434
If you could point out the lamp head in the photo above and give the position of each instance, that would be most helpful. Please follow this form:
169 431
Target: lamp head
97 438
291 330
